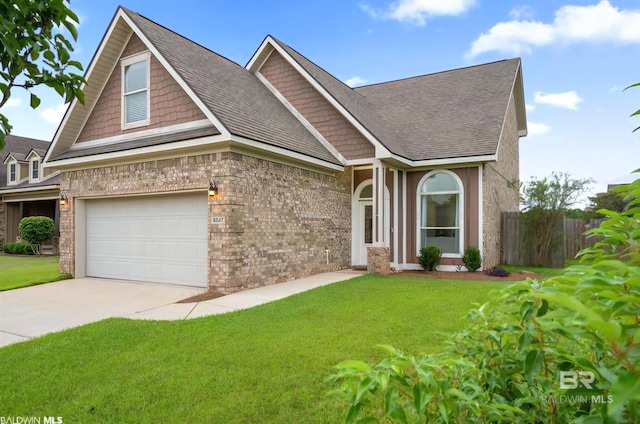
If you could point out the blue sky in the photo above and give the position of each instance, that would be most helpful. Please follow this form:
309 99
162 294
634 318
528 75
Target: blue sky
577 57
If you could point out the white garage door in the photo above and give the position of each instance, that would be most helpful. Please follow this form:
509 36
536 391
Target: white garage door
160 239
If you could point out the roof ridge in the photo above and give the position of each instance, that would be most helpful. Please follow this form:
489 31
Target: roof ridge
182 36
436 73
320 67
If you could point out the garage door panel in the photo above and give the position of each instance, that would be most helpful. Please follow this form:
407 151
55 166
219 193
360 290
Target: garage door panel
149 238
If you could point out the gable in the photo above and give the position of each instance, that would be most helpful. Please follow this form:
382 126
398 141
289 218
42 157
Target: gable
330 123
170 105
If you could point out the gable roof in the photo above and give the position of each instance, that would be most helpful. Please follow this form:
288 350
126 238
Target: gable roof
235 101
447 115
19 148
456 113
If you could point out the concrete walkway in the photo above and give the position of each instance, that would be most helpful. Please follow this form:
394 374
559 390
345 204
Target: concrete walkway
38 310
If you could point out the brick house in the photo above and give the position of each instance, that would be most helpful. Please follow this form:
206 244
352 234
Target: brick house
26 187
185 167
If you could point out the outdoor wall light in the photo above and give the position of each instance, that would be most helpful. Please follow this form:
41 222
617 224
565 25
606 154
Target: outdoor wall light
213 188
64 200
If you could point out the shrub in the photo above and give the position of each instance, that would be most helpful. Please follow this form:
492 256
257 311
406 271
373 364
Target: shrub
36 229
498 272
430 257
528 351
472 258
19 249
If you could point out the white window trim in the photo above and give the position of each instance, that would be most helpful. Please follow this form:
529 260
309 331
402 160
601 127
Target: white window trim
31 179
145 56
460 193
9 180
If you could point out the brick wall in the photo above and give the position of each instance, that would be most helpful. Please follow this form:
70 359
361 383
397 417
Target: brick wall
169 103
3 223
498 196
279 220
316 109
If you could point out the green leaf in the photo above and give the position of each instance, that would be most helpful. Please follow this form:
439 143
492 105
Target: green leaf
544 307
532 365
35 101
354 411
364 387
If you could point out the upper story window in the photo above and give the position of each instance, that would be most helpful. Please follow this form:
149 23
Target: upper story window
35 170
13 173
135 91
440 212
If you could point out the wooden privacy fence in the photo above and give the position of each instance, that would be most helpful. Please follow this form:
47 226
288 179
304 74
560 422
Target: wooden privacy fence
517 251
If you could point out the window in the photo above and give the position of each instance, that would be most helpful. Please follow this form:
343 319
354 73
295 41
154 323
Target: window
13 172
135 91
440 212
35 169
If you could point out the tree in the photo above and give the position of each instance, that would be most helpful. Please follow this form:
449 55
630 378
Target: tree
34 51
545 201
610 200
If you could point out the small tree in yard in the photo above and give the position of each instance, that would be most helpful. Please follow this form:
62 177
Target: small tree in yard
36 229
545 201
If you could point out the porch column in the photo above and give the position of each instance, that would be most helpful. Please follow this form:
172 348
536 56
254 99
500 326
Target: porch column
378 255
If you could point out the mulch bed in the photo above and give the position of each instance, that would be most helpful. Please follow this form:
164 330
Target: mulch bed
475 276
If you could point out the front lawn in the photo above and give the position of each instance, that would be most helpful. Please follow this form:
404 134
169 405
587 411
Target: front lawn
24 271
266 364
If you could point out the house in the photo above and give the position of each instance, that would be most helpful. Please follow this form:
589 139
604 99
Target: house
185 167
26 187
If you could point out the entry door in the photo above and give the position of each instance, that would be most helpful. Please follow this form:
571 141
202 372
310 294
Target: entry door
365 230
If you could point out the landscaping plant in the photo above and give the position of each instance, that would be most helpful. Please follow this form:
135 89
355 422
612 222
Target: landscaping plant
36 229
472 259
562 350
430 257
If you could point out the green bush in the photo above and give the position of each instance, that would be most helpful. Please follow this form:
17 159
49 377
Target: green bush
562 350
472 258
19 249
430 257
36 229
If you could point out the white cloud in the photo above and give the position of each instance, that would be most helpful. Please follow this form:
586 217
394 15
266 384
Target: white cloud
567 100
13 102
530 108
351 82
521 12
535 129
572 24
417 11
54 115
615 89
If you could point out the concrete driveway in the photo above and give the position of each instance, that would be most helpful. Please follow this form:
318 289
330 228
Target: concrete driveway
37 310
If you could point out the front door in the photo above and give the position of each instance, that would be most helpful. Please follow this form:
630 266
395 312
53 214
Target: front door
364 233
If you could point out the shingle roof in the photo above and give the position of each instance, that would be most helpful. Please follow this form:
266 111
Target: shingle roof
238 99
362 110
20 147
455 113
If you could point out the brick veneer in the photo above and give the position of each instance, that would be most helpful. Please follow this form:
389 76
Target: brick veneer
279 220
378 260
498 196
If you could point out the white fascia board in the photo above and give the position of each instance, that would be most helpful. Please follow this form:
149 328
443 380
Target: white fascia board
223 129
361 162
279 151
30 189
445 162
370 137
253 61
522 133
194 142
302 119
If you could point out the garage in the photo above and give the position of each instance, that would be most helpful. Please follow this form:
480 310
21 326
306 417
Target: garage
159 239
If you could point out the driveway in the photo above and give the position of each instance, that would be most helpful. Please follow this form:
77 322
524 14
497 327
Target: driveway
37 310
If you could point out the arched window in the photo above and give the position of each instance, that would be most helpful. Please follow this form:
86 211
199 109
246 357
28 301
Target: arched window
440 212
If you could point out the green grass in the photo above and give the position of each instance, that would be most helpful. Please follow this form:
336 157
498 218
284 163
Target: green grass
266 364
24 271
542 271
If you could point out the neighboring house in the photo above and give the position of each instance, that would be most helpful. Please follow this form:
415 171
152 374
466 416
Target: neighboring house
26 188
185 167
